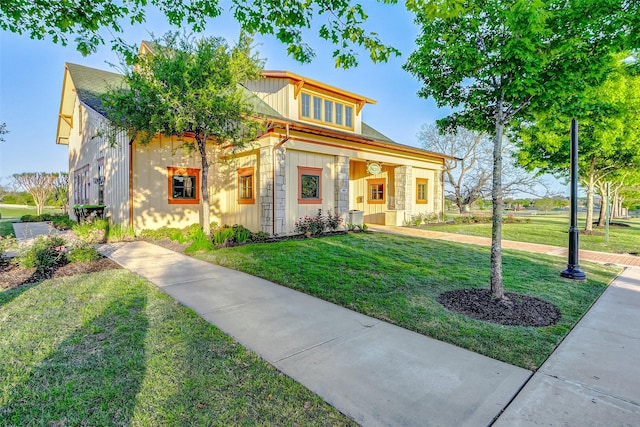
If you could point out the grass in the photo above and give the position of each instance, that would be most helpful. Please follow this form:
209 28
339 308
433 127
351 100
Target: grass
123 353
398 279
11 214
553 229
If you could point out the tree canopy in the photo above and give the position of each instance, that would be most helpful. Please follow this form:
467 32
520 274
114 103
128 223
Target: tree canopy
499 61
83 21
609 142
190 88
39 184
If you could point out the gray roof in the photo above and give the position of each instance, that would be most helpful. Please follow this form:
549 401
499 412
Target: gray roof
90 83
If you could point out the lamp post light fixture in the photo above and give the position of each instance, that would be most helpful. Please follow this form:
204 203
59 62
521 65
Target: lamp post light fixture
573 269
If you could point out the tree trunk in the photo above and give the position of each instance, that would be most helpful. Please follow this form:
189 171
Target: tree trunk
588 226
204 185
497 290
603 206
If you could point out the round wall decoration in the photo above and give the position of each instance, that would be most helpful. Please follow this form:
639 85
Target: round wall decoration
374 168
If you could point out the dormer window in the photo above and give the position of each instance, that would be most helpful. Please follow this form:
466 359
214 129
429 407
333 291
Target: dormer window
325 110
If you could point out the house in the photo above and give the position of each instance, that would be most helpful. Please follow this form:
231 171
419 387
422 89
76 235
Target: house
316 154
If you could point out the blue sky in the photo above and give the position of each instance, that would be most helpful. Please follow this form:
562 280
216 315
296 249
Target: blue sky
31 73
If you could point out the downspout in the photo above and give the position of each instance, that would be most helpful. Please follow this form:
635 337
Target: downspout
273 179
131 183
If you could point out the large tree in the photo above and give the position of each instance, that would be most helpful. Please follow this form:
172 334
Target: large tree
468 179
498 61
190 88
609 142
87 22
39 184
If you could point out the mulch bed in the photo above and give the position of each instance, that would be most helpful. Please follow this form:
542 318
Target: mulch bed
12 275
516 310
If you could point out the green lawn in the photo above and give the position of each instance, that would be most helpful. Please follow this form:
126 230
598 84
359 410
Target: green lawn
398 279
553 230
110 349
9 215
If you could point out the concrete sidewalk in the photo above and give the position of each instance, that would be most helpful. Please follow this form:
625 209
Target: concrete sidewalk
26 231
593 377
376 373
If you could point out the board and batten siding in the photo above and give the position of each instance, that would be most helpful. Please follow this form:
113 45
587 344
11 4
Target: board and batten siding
87 148
226 187
277 93
429 175
307 159
151 207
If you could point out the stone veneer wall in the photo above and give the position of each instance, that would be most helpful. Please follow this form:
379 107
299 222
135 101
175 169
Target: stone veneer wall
341 180
404 188
266 195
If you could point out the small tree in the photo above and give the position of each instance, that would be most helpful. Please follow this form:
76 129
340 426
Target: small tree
60 192
39 184
469 180
190 88
496 62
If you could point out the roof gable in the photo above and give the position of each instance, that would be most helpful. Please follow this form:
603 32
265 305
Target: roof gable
91 83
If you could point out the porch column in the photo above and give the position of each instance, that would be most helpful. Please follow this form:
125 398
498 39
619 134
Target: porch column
265 195
280 193
438 196
272 190
341 180
404 188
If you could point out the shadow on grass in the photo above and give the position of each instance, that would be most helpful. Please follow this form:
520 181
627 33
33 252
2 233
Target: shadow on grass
93 376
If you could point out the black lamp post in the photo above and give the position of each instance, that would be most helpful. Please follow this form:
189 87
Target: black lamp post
573 269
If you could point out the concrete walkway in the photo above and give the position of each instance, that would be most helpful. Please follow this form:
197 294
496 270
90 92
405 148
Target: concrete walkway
593 377
26 231
376 373
382 375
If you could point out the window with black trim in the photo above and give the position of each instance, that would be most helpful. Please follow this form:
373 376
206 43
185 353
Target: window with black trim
309 185
246 186
183 185
376 193
422 190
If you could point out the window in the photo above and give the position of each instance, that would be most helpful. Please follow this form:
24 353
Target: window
309 185
317 108
328 111
246 194
81 186
338 114
422 192
306 105
184 185
376 191
101 181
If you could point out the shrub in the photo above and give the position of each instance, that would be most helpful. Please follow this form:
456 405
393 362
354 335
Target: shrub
92 232
259 237
222 234
333 221
119 233
45 252
313 226
240 233
84 252
6 243
201 242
